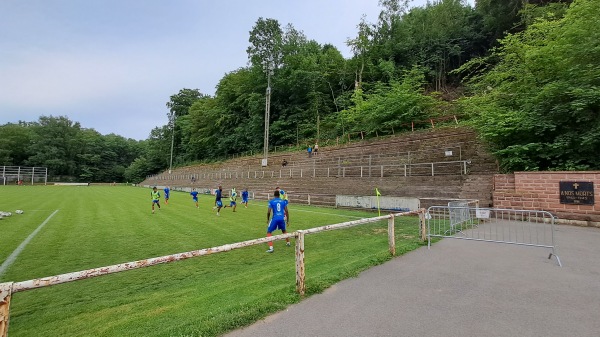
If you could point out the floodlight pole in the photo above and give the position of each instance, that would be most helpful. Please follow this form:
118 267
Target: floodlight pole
267 112
172 120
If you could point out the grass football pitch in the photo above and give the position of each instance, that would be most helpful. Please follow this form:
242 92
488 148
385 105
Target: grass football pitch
98 226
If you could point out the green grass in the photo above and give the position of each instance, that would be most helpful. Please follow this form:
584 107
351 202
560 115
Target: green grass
203 296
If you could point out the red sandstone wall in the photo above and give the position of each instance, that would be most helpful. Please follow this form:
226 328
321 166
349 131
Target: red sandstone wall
540 191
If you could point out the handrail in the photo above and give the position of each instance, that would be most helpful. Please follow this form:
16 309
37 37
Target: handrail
315 171
323 159
375 144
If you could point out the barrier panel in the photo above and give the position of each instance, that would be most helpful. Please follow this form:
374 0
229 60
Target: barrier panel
509 226
459 213
8 288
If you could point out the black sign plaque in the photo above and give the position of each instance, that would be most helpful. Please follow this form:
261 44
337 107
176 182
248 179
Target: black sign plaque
576 192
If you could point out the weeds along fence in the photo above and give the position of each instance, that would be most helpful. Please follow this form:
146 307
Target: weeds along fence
9 288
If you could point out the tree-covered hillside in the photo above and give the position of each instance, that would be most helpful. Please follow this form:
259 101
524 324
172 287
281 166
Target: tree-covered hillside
523 72
68 150
537 98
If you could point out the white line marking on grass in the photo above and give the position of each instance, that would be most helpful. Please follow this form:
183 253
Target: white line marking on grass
19 249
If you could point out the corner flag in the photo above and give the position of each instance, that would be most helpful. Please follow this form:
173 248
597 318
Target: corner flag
378 195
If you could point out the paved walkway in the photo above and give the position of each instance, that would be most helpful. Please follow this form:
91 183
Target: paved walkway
459 288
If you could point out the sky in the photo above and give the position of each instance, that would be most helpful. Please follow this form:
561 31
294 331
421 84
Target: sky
112 65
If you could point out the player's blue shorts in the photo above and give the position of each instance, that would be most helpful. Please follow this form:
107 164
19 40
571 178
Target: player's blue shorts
195 198
244 200
155 201
219 204
166 196
275 225
232 203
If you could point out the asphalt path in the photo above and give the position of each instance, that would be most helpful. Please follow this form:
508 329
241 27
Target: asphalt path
459 288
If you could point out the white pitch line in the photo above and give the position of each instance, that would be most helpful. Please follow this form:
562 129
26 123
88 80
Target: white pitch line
19 249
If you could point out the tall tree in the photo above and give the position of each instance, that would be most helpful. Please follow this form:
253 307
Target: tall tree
180 103
179 106
360 47
499 17
265 44
56 145
14 143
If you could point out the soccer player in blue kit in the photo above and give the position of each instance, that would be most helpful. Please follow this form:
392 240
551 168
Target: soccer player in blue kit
194 195
218 202
280 213
245 197
167 191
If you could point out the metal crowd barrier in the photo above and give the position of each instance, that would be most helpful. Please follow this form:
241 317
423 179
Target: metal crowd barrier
509 226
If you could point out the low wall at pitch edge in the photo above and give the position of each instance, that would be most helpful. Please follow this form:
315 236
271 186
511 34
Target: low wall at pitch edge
400 204
71 184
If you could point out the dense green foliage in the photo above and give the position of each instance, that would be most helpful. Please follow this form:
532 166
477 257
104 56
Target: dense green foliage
317 93
524 71
69 151
539 103
202 296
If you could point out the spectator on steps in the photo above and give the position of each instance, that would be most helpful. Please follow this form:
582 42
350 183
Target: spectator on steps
309 150
284 163
316 149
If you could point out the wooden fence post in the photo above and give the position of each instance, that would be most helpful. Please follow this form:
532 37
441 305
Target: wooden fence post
423 225
391 236
5 294
300 275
